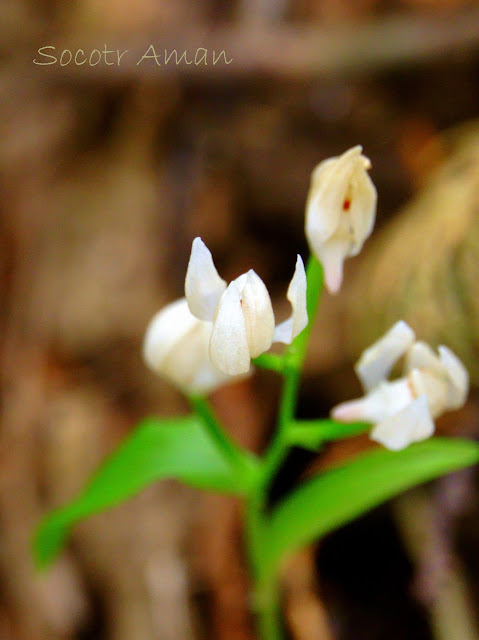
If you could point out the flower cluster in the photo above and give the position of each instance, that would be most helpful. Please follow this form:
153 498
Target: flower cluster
241 314
209 338
204 340
403 410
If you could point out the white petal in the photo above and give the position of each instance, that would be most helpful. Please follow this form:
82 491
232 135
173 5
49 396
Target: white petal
297 296
330 185
229 350
376 362
289 329
340 211
208 378
331 255
323 206
321 169
412 424
240 282
458 378
167 327
434 387
384 401
421 356
352 153
362 209
189 366
284 331
203 285
176 347
258 314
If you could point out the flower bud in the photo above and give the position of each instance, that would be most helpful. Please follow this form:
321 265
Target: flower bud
176 347
241 314
340 212
243 326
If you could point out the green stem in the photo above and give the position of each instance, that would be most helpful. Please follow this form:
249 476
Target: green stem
279 447
269 609
293 364
266 591
227 446
267 598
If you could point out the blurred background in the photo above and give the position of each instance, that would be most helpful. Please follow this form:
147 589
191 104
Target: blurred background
107 173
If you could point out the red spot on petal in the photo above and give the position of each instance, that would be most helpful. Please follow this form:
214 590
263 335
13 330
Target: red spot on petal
346 205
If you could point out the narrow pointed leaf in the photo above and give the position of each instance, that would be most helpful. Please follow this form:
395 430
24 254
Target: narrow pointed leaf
158 449
329 501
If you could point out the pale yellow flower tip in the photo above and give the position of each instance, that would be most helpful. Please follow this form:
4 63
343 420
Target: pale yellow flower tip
340 212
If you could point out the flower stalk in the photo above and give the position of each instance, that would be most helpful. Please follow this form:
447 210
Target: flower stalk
266 589
266 593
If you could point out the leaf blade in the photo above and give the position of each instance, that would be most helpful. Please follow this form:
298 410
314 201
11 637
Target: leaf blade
348 491
157 449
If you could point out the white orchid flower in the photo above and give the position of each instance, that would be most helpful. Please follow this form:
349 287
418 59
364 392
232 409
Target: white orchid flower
241 313
403 410
176 346
340 212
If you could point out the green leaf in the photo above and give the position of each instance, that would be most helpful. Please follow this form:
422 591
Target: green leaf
157 449
310 434
328 501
